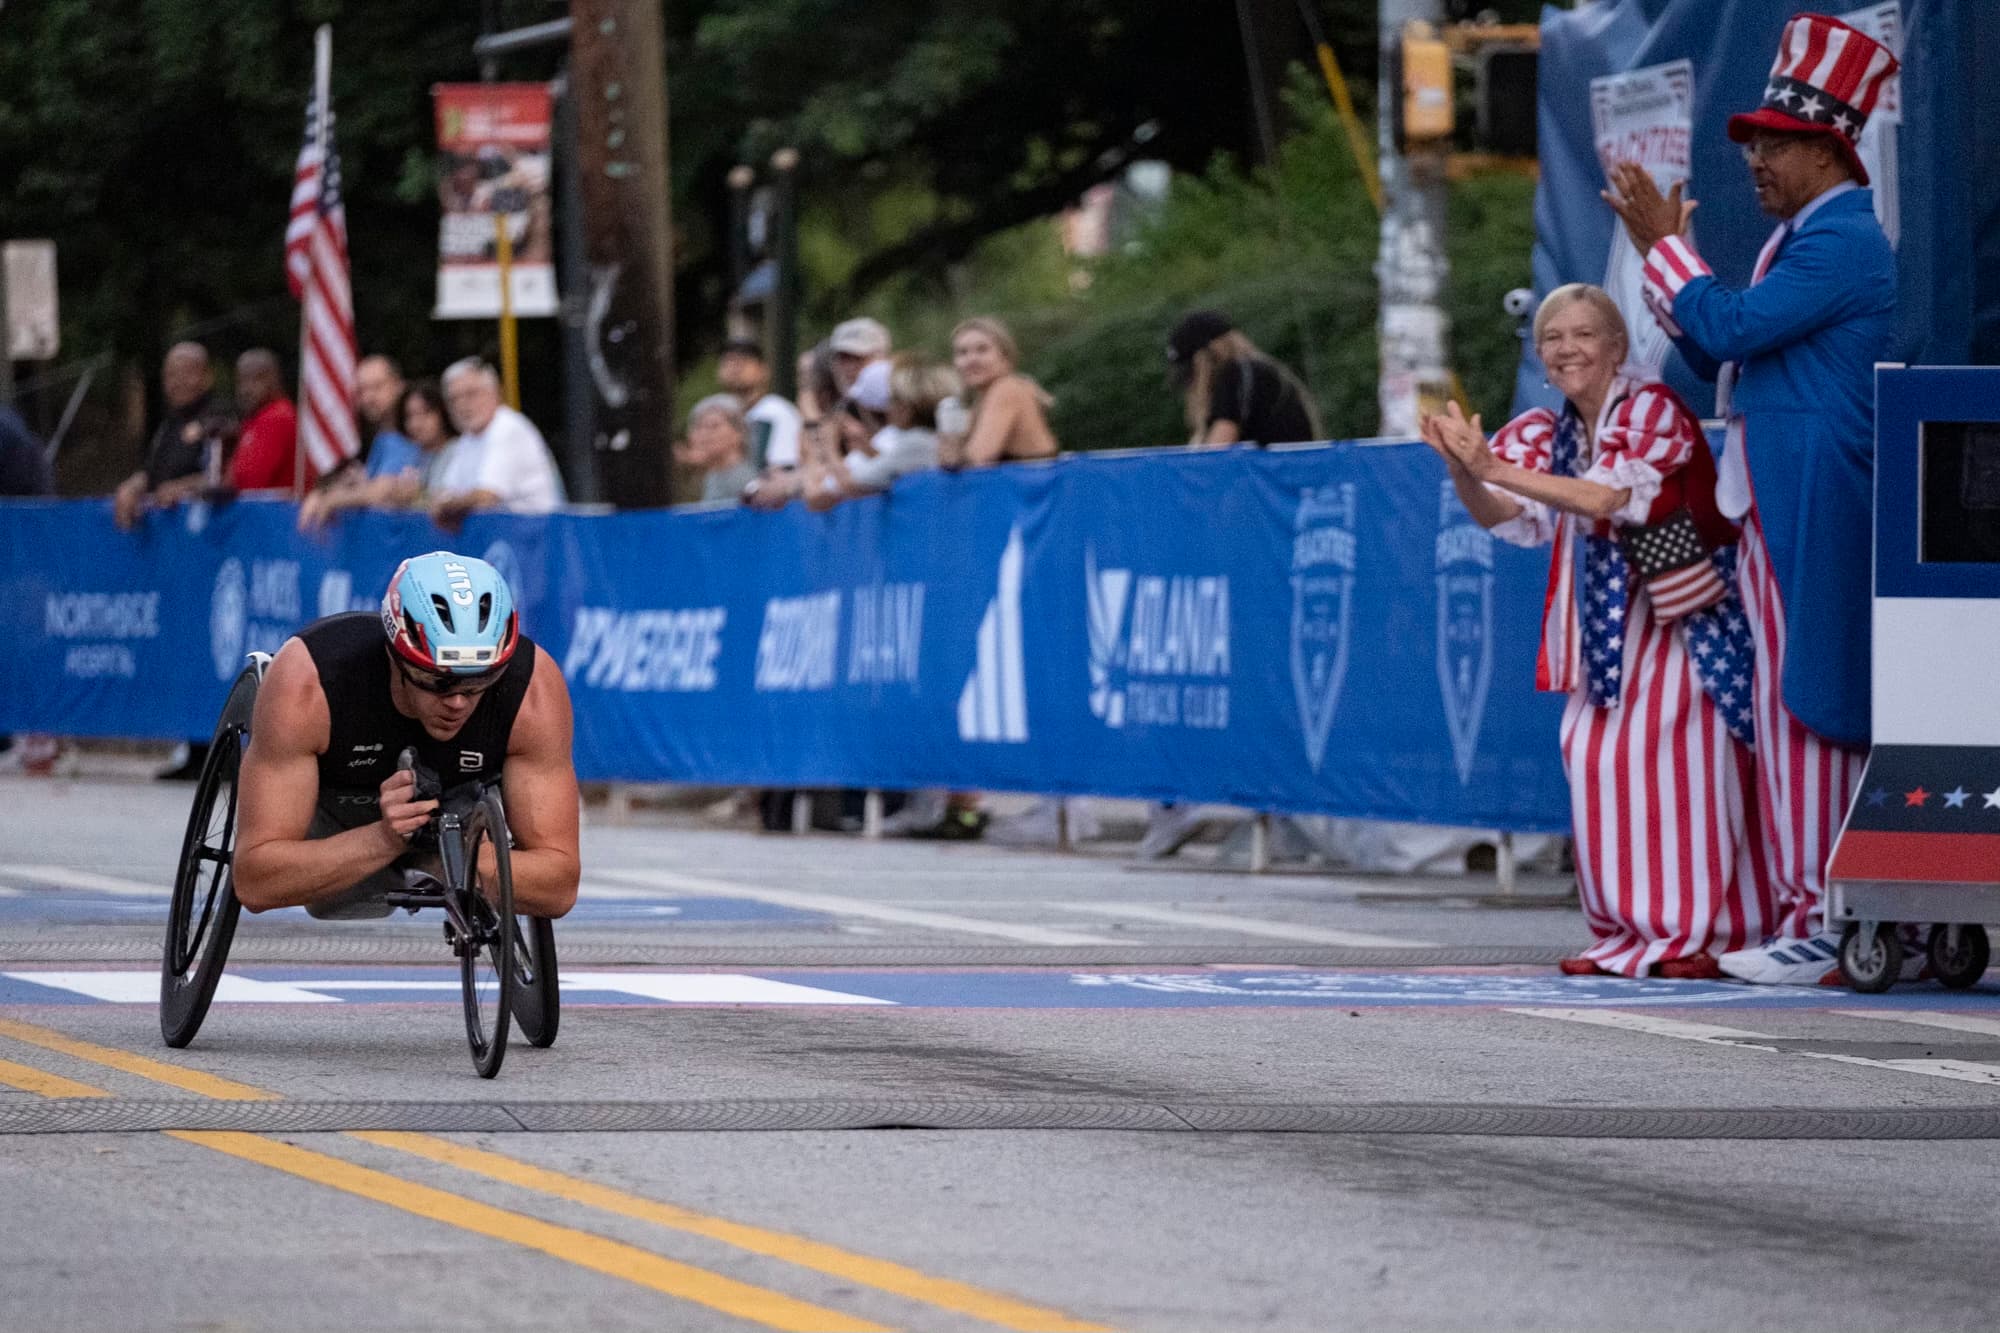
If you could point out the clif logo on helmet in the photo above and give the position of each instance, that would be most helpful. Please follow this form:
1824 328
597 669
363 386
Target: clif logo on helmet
450 613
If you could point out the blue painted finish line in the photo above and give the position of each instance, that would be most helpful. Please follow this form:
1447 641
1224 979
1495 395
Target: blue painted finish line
1034 989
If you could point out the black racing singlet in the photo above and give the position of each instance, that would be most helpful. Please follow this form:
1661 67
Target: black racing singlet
367 732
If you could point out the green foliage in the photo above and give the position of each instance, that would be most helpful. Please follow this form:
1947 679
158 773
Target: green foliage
1289 254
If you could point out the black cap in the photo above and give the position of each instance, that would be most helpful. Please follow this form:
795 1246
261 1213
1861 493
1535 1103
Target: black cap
1197 329
744 347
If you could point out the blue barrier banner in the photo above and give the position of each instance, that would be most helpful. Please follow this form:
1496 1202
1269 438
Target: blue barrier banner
1322 630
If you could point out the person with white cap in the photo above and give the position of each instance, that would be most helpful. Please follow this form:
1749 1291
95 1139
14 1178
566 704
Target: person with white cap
1794 354
855 343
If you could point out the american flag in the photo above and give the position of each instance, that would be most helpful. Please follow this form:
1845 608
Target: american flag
316 271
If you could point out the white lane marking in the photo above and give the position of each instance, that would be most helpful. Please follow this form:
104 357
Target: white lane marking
1930 1018
710 988
835 905
1962 1071
144 988
1244 925
6 892
1651 1024
65 877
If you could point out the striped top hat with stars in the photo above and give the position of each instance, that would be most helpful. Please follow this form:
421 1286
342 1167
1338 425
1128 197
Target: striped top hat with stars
1826 80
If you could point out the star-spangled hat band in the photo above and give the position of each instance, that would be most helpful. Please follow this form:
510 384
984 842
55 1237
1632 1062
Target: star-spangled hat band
1826 80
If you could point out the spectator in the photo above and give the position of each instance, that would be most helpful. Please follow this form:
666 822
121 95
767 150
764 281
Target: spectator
25 472
498 461
718 442
911 391
267 454
773 423
1233 392
418 418
1800 345
1648 650
188 446
1004 415
378 394
854 343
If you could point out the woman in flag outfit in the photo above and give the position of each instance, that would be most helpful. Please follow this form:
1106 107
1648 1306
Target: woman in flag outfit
1643 629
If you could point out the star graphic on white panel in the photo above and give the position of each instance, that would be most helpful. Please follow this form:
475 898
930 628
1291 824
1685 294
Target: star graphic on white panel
1992 799
1955 798
1811 107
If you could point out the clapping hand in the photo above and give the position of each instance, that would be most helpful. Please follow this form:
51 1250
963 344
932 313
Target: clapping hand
1460 442
1649 216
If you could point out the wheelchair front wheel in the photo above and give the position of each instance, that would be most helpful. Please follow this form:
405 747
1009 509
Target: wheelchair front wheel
487 975
201 919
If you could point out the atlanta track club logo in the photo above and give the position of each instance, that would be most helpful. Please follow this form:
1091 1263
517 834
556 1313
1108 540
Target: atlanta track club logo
228 617
1464 625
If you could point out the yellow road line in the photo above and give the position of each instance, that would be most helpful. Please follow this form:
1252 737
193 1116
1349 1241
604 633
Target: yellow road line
44 1084
610 1257
881 1274
188 1080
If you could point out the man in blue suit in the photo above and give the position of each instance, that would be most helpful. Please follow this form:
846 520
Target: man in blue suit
1793 355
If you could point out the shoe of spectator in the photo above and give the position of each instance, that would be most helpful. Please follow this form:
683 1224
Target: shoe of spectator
924 811
956 826
1579 966
1170 828
1783 962
1695 967
185 764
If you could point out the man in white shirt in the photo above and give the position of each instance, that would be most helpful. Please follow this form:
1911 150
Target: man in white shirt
498 461
773 423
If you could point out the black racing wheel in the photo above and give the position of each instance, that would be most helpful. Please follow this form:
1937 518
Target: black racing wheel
537 1001
1961 961
201 920
485 939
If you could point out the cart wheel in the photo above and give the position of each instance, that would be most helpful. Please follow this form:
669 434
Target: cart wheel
1961 965
1871 968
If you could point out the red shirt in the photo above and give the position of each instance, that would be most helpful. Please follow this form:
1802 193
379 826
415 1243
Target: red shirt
264 454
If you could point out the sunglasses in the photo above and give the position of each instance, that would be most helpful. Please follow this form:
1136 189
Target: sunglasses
445 683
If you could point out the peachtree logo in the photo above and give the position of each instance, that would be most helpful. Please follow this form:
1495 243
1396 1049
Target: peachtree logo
228 615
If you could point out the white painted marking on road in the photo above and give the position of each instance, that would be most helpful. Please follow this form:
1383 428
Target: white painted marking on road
1961 1071
1930 1018
710 988
68 878
835 905
1243 925
1651 1024
6 892
144 988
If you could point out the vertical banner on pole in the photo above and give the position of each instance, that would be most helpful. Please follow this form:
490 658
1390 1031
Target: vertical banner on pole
1644 116
494 169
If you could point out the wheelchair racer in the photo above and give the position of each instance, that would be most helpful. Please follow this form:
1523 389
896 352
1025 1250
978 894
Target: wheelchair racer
326 817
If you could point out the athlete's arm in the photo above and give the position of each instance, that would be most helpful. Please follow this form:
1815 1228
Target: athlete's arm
276 864
539 784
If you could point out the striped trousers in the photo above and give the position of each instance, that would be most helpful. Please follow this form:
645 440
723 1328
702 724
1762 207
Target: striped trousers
1663 804
1804 781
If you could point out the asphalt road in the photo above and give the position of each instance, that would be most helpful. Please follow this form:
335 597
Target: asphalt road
822 1083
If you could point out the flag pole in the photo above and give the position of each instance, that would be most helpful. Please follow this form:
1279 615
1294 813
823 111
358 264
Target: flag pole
322 96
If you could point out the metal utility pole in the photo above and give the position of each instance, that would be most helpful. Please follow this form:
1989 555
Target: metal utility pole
784 307
618 76
1411 267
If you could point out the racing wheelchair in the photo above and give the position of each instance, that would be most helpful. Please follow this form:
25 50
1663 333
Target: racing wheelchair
507 963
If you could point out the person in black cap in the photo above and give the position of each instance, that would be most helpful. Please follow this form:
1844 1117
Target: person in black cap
1233 391
773 422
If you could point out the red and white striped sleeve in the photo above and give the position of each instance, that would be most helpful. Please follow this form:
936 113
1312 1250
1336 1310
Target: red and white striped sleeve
1528 442
1670 265
1649 437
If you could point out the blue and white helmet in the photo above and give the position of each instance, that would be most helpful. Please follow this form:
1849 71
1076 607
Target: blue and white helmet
451 614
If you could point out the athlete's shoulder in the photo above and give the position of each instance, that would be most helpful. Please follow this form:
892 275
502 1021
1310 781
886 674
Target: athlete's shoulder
544 723
292 711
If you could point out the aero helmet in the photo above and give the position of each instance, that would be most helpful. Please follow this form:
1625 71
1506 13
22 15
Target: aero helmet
450 613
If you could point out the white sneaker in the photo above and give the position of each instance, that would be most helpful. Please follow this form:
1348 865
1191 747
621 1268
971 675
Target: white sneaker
1783 962
1170 828
922 812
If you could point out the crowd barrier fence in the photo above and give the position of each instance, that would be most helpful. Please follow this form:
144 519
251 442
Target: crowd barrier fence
1321 630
